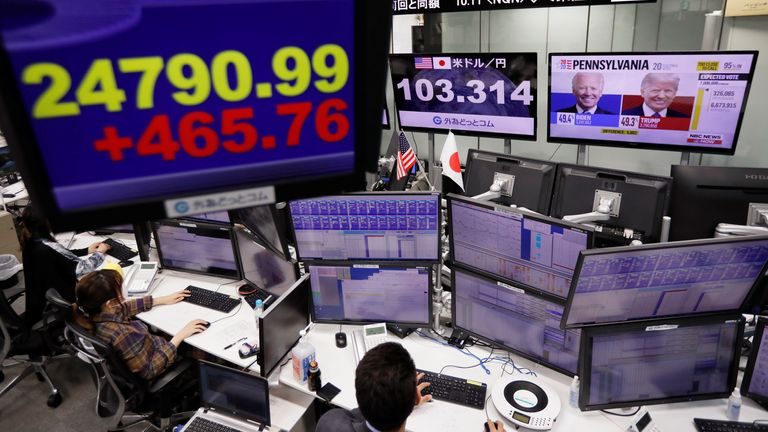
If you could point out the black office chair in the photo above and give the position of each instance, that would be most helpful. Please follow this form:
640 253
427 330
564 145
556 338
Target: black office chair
30 346
119 391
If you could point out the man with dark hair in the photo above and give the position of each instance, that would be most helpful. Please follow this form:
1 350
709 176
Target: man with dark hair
387 392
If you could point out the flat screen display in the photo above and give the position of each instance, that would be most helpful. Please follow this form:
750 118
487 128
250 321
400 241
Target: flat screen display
116 104
491 94
232 391
532 251
262 221
262 267
677 101
363 293
642 364
368 226
669 279
281 323
197 247
755 382
489 309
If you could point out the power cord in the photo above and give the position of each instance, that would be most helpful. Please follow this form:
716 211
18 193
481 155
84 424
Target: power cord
231 313
622 415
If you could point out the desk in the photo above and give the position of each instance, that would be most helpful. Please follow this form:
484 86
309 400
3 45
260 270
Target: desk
338 366
287 406
18 190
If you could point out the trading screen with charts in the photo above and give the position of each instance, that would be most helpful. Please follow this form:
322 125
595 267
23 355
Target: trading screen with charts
516 247
196 248
647 283
641 365
370 293
367 227
515 319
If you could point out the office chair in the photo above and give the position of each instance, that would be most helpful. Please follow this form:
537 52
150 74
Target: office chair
19 340
119 391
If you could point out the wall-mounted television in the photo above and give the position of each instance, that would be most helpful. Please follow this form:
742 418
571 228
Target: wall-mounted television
139 114
488 94
680 101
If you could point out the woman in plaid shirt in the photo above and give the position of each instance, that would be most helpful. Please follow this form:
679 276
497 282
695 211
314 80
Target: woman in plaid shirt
102 309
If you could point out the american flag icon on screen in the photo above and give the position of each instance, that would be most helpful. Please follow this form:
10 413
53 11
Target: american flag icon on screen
405 157
423 62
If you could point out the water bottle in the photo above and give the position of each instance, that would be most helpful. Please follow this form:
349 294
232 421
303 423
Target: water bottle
574 392
301 355
734 405
257 311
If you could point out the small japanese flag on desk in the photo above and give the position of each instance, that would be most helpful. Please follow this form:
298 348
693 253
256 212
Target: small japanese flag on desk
450 159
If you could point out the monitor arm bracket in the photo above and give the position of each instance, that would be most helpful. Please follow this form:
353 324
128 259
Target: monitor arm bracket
605 205
502 185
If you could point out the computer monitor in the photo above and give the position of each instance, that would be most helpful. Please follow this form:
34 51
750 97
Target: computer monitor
514 319
370 292
127 112
263 268
280 324
665 280
530 180
754 385
639 201
643 363
262 221
531 251
217 217
234 392
368 226
197 247
703 196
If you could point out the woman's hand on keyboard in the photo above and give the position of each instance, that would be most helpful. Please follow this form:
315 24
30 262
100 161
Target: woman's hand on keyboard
172 298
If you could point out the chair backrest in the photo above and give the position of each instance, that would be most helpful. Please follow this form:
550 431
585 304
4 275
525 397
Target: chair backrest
129 387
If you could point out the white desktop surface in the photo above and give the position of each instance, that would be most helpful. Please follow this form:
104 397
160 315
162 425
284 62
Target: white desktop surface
338 367
18 189
287 406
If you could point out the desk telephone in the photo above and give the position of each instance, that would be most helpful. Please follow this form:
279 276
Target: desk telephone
142 277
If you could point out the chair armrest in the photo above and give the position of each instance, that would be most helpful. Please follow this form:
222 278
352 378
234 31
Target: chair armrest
171 374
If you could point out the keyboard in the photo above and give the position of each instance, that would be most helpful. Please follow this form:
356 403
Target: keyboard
119 250
259 294
210 299
705 425
453 389
203 425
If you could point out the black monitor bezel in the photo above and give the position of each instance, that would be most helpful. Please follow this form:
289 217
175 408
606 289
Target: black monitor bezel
530 215
298 285
458 131
181 223
462 269
751 296
203 363
641 145
372 26
234 217
197 218
252 237
511 158
585 358
374 195
380 264
559 181
746 380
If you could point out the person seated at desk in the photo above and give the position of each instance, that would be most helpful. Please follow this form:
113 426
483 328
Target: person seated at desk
386 391
101 309
48 264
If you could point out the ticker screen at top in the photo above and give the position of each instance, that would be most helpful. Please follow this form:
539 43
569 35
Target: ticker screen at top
478 94
153 99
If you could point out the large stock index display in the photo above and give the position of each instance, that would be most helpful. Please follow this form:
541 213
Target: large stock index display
131 103
654 281
536 251
368 226
491 94
666 101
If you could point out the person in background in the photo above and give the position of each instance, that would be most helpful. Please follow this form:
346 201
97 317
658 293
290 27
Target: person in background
387 390
48 264
101 309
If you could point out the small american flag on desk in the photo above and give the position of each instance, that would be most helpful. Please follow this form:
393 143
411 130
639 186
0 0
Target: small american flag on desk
405 157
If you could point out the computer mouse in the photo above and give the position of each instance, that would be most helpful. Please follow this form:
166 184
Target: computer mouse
486 427
341 340
206 324
126 263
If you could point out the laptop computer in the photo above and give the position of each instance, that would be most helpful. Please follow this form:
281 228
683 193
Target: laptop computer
230 398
